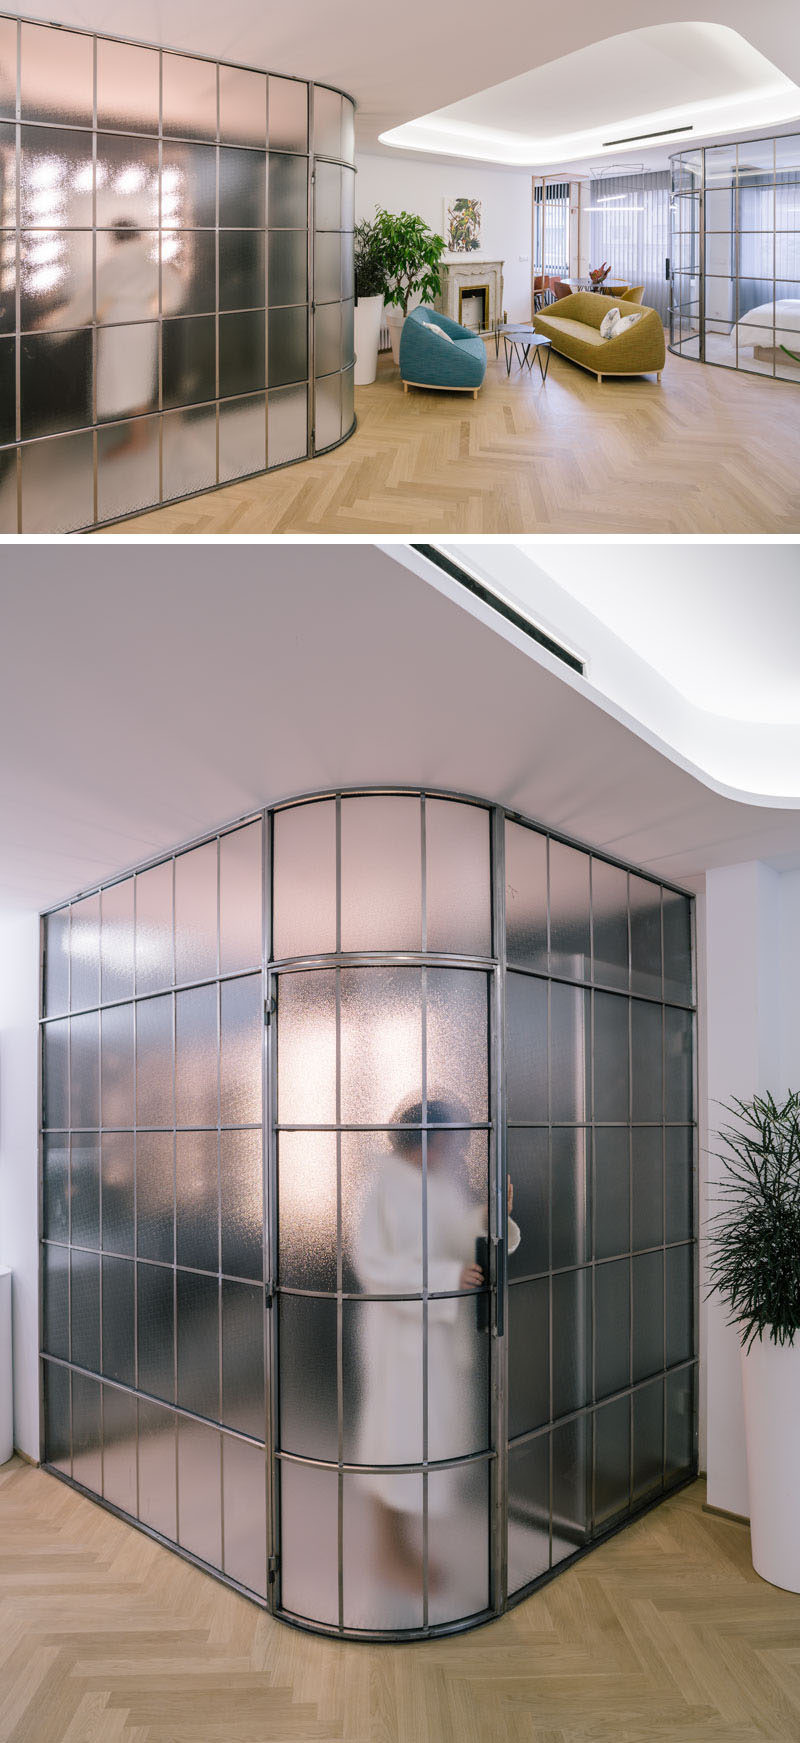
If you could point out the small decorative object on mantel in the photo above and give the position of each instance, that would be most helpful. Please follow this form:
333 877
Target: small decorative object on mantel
598 274
755 1242
462 224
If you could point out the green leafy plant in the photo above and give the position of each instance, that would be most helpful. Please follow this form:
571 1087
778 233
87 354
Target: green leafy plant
412 252
755 1237
370 266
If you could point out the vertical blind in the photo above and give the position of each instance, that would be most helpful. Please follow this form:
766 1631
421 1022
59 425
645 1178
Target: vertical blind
629 227
551 228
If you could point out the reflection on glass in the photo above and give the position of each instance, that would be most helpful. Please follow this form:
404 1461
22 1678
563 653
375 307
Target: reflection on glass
55 268
188 186
189 273
242 269
242 189
126 180
56 179
241 352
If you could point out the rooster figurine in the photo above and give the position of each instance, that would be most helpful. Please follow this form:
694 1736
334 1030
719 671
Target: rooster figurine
598 274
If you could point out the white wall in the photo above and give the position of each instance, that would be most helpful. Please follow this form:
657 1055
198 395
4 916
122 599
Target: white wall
404 185
752 1044
19 1079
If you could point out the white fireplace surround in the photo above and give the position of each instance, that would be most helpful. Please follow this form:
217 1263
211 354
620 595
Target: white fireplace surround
462 271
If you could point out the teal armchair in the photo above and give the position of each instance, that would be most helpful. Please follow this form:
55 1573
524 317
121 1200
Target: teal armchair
426 361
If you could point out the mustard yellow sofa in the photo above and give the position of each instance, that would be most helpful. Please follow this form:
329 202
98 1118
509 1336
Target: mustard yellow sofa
573 327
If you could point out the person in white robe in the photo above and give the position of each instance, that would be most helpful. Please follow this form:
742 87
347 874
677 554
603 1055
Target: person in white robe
388 1260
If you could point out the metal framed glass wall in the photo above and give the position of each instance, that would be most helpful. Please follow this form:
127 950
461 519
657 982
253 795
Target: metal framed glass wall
282 1359
157 263
735 255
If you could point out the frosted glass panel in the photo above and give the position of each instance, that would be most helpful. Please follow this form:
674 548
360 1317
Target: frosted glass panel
242 189
243 1396
612 1459
645 900
570 1195
307 1209
383 1381
526 1048
382 1550
646 1072
196 913
55 1303
56 1075
327 122
87 1435
116 941
647 1305
189 96
154 944
648 1441
287 425
242 106
288 114
288 192
196 1200
240 896
56 179
677 947
119 1448
56 963
304 880
529 1173
571 1302
647 1185
57 1417
612 1319
85 1190
679 1183
244 1513
117 1065
117 1171
118 1279
154 1062
327 412
288 267
458 1543
528 1512
287 346
8 67
57 76
528 1356
199 1486
85 952
157 1493
381 1215
127 86
381 874
610 923
612 1167
155 1164
84 1306
55 1189
241 1046
196 1057
381 1044
569 911
570 1053
57 484
155 1329
198 1343
309 1541
458 878
84 1070
458 1034
307 1048
610 1057
127 201
241 1203
189 451
242 436
307 1343
526 896
678 1066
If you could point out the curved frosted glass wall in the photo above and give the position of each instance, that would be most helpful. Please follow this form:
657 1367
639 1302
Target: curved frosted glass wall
346 1381
735 255
157 261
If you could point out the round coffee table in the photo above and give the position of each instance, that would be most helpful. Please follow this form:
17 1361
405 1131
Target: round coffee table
524 343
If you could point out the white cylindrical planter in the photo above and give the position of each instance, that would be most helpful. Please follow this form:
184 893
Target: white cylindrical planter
368 313
771 1382
6 1390
396 321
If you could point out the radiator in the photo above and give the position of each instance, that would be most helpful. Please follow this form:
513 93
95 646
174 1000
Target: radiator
384 342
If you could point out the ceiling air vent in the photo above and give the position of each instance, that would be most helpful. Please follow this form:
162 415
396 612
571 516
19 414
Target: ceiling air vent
660 133
500 605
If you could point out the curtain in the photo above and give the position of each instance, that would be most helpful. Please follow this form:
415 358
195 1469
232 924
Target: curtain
629 227
551 200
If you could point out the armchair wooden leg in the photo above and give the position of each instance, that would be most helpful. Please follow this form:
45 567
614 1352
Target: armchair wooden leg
599 377
474 392
405 387
658 377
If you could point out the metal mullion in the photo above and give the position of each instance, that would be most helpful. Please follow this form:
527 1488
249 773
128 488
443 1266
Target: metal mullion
18 300
485 1456
407 1126
630 1215
339 1302
381 959
498 1175
424 1135
311 404
268 1312
219 1178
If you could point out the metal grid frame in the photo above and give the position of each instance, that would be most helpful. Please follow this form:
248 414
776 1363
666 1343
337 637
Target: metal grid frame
690 187
14 449
496 1457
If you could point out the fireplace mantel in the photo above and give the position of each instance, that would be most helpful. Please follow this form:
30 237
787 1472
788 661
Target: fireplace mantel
470 273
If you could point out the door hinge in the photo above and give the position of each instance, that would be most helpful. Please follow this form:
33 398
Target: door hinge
269 1292
269 1010
272 1567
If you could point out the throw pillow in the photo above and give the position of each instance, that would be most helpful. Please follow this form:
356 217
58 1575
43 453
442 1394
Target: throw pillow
610 324
628 321
438 332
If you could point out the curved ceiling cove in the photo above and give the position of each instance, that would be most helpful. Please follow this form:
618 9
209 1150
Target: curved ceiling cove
666 83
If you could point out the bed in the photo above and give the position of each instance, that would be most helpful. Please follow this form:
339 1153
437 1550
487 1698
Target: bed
756 328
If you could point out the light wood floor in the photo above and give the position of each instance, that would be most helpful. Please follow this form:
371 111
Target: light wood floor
709 451
663 1632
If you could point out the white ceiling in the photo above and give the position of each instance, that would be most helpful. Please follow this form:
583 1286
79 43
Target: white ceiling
422 58
702 77
151 692
695 642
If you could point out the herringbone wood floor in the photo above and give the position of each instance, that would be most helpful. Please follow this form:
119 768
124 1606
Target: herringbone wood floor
663 1632
708 451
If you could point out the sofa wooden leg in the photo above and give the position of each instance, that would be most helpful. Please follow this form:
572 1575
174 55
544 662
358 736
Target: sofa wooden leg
599 377
474 392
405 387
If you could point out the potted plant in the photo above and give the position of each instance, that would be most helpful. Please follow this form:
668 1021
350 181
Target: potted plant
411 256
755 1244
370 287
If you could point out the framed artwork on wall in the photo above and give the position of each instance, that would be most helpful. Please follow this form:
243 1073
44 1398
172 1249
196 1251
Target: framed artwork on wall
463 224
